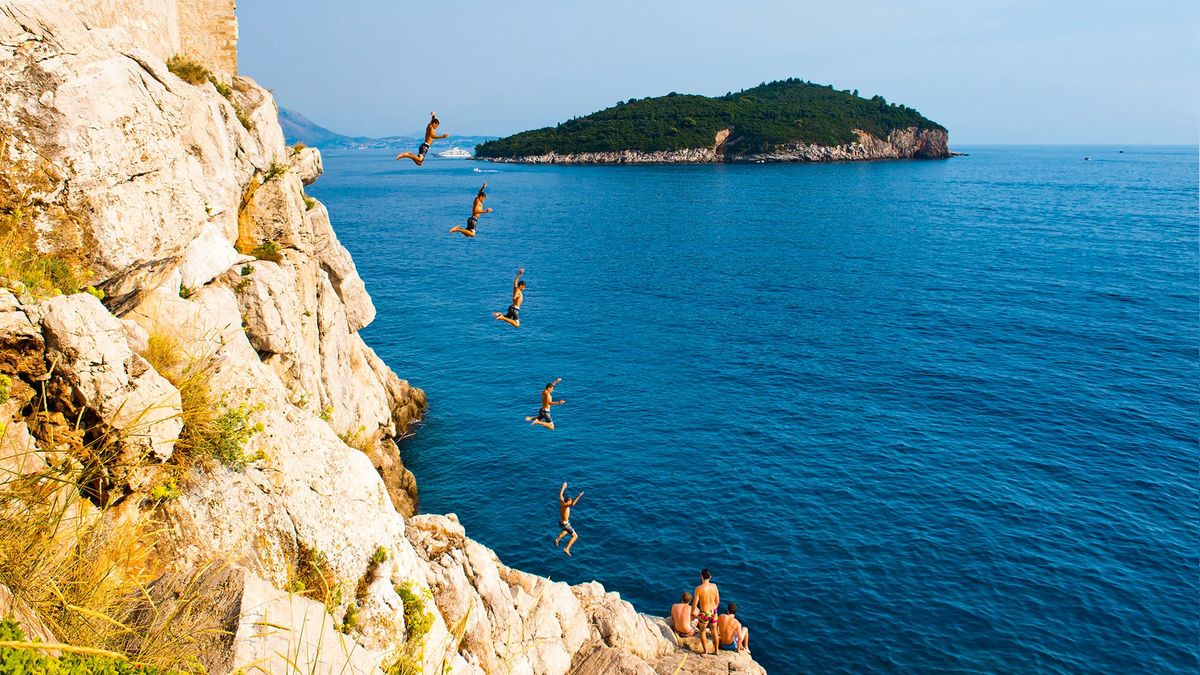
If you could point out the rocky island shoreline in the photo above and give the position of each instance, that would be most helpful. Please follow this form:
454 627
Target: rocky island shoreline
199 459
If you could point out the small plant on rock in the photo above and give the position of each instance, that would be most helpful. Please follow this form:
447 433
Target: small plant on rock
275 171
268 250
247 270
186 291
309 203
188 70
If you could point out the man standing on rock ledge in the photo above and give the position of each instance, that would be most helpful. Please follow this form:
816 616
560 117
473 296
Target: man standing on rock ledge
430 135
704 606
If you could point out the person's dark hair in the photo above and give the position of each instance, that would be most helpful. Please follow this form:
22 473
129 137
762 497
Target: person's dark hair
549 385
732 608
434 121
705 574
687 597
521 284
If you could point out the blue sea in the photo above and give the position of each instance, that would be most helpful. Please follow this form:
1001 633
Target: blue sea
915 416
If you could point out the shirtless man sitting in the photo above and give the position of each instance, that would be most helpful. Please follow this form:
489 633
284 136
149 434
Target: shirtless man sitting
543 417
513 317
564 518
704 606
682 619
430 135
734 636
476 211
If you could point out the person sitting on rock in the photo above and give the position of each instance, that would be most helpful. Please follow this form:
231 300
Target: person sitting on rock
430 135
734 636
564 518
513 317
682 619
543 417
476 211
704 606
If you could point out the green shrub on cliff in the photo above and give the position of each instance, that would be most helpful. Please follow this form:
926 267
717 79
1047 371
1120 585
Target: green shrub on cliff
268 250
763 117
33 660
188 70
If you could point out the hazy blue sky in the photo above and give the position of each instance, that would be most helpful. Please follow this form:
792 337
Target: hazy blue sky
992 72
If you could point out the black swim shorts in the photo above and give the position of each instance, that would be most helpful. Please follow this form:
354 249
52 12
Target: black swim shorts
566 526
472 222
544 415
514 313
423 149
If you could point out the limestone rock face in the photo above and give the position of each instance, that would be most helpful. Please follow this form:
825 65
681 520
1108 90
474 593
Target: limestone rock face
203 238
306 162
87 347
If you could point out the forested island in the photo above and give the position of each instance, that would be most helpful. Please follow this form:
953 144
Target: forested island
786 120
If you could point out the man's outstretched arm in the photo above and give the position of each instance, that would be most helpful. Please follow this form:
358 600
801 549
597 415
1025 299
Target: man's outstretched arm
577 498
517 280
561 491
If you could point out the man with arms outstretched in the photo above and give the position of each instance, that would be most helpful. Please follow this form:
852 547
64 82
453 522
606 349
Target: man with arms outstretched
513 317
543 417
430 135
564 518
476 211
705 605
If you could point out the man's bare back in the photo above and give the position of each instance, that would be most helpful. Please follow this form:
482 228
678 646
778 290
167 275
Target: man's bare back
707 597
707 600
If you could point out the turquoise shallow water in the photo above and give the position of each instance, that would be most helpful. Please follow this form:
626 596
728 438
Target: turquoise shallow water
916 416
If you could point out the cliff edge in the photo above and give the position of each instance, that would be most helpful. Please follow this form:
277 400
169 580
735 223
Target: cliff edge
186 400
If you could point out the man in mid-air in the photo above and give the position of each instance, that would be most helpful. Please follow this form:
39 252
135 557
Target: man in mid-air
564 518
513 317
476 211
543 417
430 135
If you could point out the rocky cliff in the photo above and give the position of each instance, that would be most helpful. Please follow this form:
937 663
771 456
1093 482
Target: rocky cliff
206 412
909 143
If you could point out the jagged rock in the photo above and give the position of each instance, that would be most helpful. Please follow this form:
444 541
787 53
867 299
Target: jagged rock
306 162
21 342
274 212
208 255
87 348
336 261
34 628
276 630
600 660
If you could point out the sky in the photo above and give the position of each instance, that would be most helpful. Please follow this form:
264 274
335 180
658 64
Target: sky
990 71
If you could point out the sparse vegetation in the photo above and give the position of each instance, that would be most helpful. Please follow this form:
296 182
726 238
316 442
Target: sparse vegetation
211 430
87 576
309 203
188 70
222 88
409 658
349 619
166 490
247 270
95 292
244 119
5 388
275 171
298 147
313 577
241 286
186 291
44 249
268 250
379 556
356 438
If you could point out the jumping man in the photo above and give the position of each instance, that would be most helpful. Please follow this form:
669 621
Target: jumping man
564 517
430 135
513 317
543 416
476 211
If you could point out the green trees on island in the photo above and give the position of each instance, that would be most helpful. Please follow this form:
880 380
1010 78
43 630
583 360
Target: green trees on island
771 114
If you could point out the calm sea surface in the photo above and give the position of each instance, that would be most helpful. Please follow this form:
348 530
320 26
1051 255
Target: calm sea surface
927 416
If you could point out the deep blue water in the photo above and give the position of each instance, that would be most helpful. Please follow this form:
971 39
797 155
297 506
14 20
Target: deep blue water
916 416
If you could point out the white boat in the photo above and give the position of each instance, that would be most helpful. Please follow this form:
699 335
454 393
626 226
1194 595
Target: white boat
455 153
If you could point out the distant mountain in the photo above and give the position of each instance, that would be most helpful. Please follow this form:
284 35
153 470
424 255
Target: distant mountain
299 129
788 120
